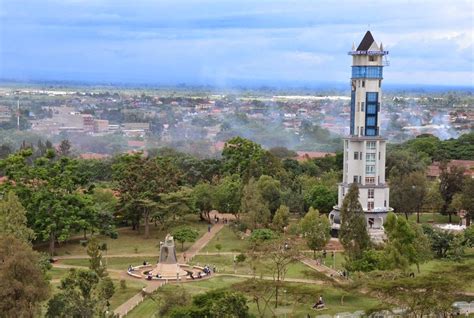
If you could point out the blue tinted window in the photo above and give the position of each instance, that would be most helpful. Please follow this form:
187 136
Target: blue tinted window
367 71
372 97
370 132
370 121
371 109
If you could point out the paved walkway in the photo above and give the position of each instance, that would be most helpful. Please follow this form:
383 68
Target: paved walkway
329 272
199 244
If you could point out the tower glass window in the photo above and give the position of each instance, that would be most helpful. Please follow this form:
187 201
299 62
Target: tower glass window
369 180
370 169
370 205
371 144
370 157
367 72
370 193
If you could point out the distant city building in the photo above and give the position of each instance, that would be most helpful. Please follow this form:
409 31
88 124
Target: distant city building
364 148
5 114
101 126
434 170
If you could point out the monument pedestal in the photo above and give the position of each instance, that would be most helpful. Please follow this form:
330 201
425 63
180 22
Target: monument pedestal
168 271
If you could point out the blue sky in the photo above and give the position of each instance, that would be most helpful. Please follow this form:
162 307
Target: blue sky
225 42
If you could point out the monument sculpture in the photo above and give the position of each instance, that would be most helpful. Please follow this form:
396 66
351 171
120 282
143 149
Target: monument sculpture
168 267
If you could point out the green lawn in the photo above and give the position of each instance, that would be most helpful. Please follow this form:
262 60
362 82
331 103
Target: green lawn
331 295
112 262
229 241
225 264
122 295
433 218
130 242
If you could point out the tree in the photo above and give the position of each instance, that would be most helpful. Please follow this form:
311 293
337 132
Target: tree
407 192
81 295
228 193
13 219
321 198
433 201
170 297
185 234
204 199
141 182
95 260
280 256
407 244
353 232
214 304
23 284
53 194
467 199
269 189
64 149
254 206
451 182
239 153
316 230
433 293
281 218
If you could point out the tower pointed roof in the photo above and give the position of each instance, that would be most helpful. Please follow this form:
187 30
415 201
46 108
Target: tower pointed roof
366 42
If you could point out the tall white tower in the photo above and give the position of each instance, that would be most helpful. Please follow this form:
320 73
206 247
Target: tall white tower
364 148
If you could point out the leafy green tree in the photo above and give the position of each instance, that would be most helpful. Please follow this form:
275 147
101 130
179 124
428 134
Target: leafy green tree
81 296
52 193
407 244
433 293
254 206
140 182
170 297
404 162
467 199
64 149
281 218
204 199
176 204
228 193
408 192
214 304
269 188
321 198
95 258
451 182
353 232
261 235
280 256
13 219
433 201
316 230
445 244
238 154
23 284
185 234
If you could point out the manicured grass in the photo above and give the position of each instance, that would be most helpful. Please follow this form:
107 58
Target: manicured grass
130 242
121 295
145 309
229 241
332 297
57 273
433 218
225 264
121 263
